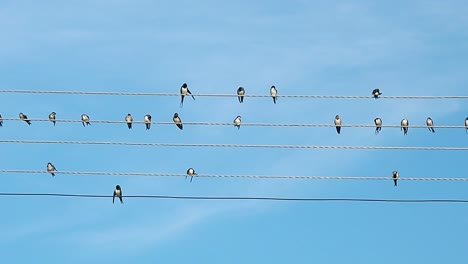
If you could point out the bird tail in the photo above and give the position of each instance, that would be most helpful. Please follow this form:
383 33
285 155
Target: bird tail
274 100
54 123
191 179
83 124
29 122
395 183
193 97
181 101
53 174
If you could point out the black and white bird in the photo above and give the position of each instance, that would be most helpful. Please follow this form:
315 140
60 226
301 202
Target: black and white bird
466 125
129 120
338 123
273 93
237 122
118 193
240 94
177 121
85 119
404 126
430 124
378 125
376 93
395 176
190 173
183 92
51 169
148 121
52 117
24 118
1 121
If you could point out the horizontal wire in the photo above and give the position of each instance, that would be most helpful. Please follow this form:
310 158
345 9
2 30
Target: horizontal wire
227 124
244 198
148 144
234 95
232 175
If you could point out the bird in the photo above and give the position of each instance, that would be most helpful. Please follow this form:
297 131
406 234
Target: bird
24 118
430 124
378 125
404 126
85 119
1 121
183 92
338 123
240 94
466 125
177 121
129 120
51 168
395 176
190 172
376 93
273 93
148 121
118 193
52 117
237 122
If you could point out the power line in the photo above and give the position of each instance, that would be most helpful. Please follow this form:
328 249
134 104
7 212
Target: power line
228 123
244 198
232 175
148 144
233 95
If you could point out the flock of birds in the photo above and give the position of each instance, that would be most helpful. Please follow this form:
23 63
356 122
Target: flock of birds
184 90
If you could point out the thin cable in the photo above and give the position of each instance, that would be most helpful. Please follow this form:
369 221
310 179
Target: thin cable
223 145
244 198
226 123
234 95
147 174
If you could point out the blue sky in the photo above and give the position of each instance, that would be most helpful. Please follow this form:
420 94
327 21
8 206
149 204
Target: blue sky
301 47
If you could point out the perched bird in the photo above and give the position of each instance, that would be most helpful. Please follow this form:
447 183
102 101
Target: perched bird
338 123
376 93
237 122
404 126
273 93
240 94
52 117
51 168
85 119
183 92
190 172
466 125
129 120
1 121
24 118
430 124
177 121
148 121
378 125
118 193
395 177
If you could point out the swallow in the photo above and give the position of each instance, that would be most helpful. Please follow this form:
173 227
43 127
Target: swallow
190 172
273 93
129 120
378 125
237 122
51 168
430 124
1 121
177 121
395 176
52 117
24 118
118 193
85 119
376 93
148 121
338 123
466 125
404 126
183 92
240 94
